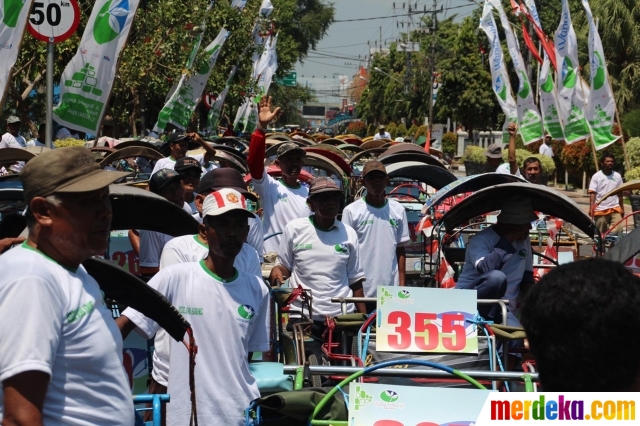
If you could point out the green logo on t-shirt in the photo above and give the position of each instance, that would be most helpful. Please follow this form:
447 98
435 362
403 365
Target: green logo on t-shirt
366 222
186 310
246 311
341 248
303 247
83 310
393 223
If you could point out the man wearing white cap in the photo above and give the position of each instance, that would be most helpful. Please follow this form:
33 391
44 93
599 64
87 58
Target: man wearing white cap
228 312
499 259
12 139
382 134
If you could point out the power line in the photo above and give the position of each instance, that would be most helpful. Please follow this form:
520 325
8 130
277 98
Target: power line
404 14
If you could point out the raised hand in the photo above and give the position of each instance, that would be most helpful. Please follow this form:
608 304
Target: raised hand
265 115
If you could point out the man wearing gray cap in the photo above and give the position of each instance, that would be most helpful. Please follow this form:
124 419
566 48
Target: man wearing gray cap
494 155
499 259
12 138
281 200
60 350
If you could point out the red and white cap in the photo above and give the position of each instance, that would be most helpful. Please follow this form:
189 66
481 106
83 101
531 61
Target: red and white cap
225 200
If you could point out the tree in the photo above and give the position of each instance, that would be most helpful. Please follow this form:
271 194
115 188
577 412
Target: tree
159 44
465 92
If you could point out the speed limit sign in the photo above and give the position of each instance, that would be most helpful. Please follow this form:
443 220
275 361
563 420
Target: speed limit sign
54 21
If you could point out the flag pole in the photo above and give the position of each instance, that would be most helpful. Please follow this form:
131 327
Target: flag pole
627 165
593 142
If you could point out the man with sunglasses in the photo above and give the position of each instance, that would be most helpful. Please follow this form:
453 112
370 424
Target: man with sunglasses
381 225
179 145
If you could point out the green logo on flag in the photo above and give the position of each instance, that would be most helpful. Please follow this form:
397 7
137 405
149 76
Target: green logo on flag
246 312
204 67
501 88
599 77
11 11
110 20
389 396
568 74
547 87
525 89
85 80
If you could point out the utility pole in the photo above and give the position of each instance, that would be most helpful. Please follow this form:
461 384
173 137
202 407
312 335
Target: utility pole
432 60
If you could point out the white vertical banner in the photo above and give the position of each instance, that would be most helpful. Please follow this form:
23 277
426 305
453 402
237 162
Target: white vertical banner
601 107
179 109
571 97
499 76
548 101
266 68
530 122
13 20
87 80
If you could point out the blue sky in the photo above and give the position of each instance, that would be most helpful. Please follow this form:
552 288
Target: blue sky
345 46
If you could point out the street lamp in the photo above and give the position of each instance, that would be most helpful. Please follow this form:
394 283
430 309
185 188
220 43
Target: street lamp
387 74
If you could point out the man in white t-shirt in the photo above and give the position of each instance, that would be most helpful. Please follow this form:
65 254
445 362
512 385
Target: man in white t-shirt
64 133
12 139
494 155
545 147
168 184
230 178
179 145
228 312
382 134
499 259
382 229
60 350
322 254
611 210
281 200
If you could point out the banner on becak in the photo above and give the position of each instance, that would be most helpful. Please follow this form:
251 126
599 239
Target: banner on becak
548 102
530 123
499 76
601 107
13 16
571 94
266 68
183 101
85 84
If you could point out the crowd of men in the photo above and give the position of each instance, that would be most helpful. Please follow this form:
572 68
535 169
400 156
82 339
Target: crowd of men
61 357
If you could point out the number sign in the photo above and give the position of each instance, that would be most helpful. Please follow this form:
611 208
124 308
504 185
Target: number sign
426 320
54 21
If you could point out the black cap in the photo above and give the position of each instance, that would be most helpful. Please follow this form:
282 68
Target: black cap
187 163
177 137
221 178
162 178
323 184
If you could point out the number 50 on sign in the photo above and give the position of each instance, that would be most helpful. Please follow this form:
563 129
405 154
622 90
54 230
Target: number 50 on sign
426 320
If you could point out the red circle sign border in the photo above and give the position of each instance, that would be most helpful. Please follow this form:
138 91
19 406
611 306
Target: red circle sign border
61 37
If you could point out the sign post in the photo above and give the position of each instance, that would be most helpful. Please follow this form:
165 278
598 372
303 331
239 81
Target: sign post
289 79
52 22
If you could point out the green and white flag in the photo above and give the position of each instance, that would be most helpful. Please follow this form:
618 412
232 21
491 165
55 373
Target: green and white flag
571 93
86 82
601 107
247 115
182 102
265 68
548 102
530 122
499 76
13 19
